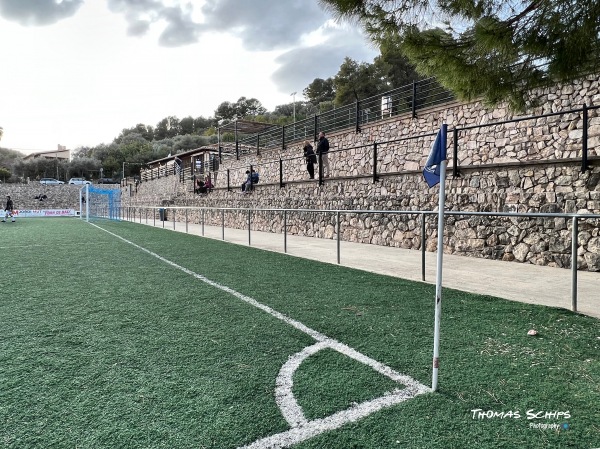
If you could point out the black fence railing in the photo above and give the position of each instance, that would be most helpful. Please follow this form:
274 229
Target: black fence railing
560 136
406 99
546 138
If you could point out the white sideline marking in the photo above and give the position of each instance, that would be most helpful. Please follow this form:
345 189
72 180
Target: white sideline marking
301 428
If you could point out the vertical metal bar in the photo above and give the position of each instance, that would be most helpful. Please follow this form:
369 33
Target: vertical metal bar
163 218
228 184
357 122
186 221
320 156
316 124
281 173
455 173
337 224
249 221
174 211
285 231
283 138
584 141
414 99
375 177
154 217
423 246
223 224
574 264
202 222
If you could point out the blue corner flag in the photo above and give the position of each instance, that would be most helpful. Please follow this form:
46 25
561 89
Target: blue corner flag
431 172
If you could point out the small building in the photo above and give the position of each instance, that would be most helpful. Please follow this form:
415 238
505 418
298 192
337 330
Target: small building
60 153
188 164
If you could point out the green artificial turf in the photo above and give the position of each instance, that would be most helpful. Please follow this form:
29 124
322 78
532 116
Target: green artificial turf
106 346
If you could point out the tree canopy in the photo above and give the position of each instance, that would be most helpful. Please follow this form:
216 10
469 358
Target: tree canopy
495 49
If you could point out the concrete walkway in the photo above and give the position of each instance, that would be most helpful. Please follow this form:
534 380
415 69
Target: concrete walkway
510 280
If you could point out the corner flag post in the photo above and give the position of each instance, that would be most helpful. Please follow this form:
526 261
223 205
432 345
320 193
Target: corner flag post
434 173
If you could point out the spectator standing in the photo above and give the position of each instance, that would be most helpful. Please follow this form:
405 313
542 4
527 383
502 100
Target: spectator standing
323 152
311 159
9 210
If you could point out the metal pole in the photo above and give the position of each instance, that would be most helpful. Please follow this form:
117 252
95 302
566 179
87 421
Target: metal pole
455 172
574 231
285 231
223 224
186 221
584 141
202 222
173 219
440 255
249 220
337 224
154 217
414 99
423 246
375 177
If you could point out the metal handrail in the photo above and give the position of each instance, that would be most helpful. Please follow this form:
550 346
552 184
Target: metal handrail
129 211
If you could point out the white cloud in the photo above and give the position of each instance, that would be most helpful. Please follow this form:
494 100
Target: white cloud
98 67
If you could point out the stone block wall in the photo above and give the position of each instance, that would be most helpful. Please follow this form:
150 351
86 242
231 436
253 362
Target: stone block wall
62 196
529 166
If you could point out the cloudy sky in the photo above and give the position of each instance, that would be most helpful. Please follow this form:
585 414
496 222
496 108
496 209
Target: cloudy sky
76 72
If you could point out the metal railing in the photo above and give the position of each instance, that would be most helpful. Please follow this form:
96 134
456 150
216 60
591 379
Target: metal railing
406 99
245 215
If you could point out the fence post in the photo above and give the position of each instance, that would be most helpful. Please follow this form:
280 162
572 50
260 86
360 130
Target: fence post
414 99
338 226
249 224
357 117
316 130
375 177
574 232
584 141
320 169
228 184
283 138
281 184
455 172
285 231
251 180
423 246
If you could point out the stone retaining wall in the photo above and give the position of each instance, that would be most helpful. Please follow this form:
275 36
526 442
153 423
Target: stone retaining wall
62 196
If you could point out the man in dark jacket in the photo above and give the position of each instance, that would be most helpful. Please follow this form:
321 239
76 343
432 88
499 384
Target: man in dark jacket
8 210
323 152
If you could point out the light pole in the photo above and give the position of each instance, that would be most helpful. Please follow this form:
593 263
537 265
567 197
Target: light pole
293 94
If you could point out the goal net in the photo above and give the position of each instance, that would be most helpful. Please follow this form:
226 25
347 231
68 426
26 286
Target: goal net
96 202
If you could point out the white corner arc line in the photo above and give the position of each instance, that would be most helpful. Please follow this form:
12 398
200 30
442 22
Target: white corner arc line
284 384
303 429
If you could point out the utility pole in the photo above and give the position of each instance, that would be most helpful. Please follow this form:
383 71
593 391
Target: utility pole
293 94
